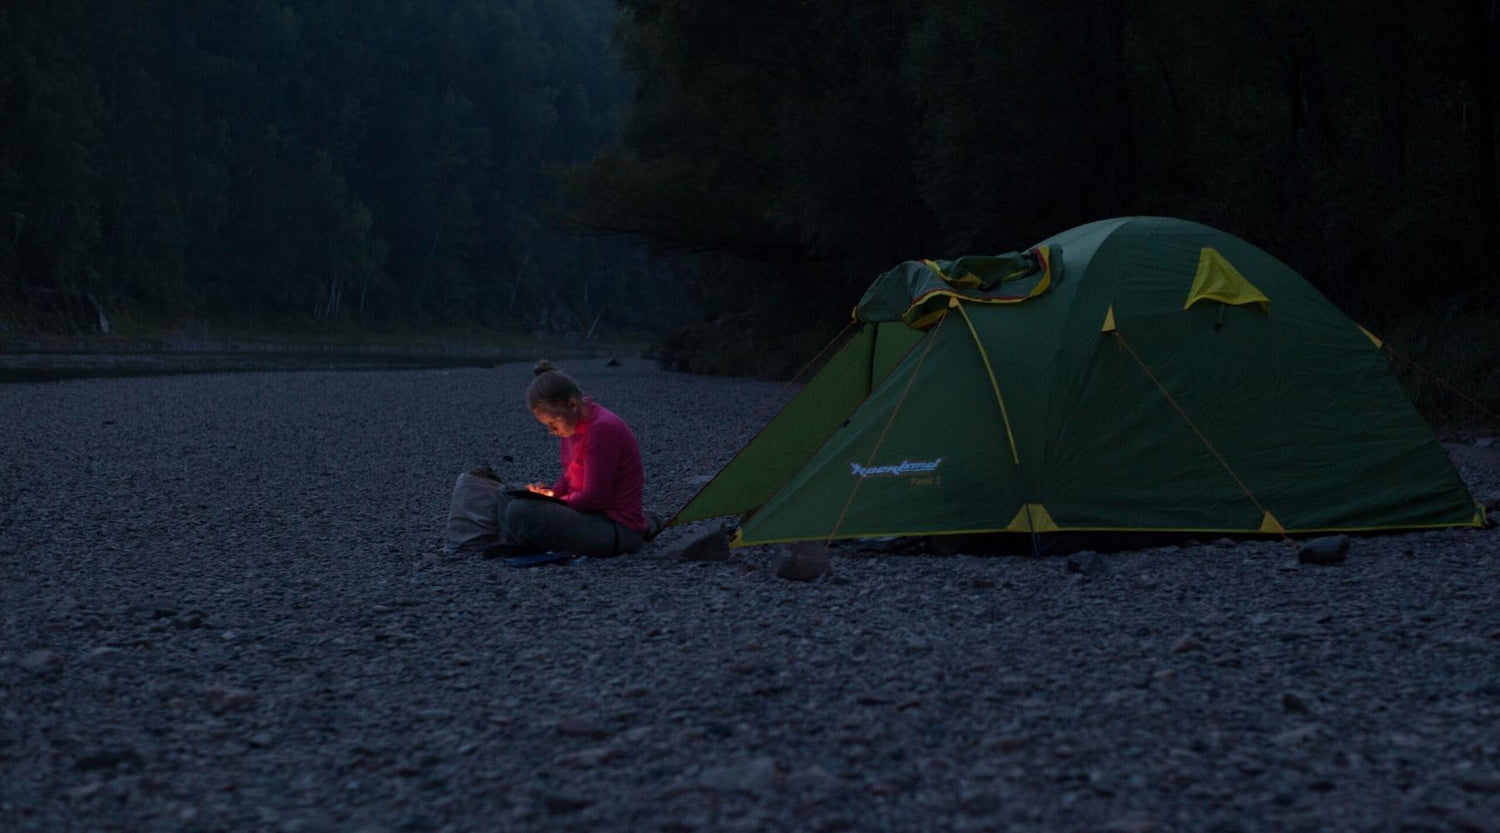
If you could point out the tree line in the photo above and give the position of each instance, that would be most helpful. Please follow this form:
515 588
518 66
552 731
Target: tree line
389 161
264 161
790 150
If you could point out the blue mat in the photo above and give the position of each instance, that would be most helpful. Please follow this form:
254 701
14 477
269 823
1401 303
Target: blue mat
542 559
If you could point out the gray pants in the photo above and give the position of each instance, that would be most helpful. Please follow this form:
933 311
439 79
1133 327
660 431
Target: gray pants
544 525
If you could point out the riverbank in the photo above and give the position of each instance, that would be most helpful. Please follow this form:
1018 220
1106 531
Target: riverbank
38 358
226 607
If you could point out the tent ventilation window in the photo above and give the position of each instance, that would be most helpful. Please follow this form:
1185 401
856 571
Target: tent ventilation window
1218 280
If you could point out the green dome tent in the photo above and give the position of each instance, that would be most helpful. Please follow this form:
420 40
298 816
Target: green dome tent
1140 374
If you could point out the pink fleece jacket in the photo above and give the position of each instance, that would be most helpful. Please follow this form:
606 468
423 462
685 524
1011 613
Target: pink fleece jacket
602 469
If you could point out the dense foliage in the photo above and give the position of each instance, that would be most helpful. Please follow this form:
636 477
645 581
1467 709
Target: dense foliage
792 149
390 161
275 161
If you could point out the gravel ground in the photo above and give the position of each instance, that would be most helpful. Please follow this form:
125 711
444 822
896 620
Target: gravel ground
226 608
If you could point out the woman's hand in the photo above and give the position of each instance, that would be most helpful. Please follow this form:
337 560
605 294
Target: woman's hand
539 489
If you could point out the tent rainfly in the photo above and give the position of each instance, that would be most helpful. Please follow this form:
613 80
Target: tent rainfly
1139 374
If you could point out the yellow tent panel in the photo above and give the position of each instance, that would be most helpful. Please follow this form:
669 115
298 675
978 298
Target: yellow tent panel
1033 517
1218 280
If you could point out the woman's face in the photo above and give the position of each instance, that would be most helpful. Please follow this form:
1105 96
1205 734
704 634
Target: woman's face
559 422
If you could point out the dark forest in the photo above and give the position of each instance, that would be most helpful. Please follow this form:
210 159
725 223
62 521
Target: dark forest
534 165
293 162
1356 141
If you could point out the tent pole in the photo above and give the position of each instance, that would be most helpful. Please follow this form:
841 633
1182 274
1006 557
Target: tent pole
930 338
1265 513
1010 436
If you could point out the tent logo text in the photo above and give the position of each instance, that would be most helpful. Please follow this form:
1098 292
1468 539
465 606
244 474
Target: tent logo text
900 469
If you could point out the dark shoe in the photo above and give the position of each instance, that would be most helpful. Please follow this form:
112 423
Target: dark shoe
654 524
506 551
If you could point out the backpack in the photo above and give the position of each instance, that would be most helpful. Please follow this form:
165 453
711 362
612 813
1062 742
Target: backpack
473 513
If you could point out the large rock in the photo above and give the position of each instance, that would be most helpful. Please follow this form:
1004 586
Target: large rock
1332 549
562 803
803 561
579 726
1188 642
710 546
1293 702
41 661
159 607
108 758
752 777
221 699
1088 563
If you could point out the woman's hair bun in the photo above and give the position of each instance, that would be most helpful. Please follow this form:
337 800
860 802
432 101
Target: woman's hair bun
542 367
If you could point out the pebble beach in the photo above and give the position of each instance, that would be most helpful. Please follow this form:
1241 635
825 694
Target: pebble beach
225 605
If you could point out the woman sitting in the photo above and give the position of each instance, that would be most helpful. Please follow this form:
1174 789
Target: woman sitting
596 509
